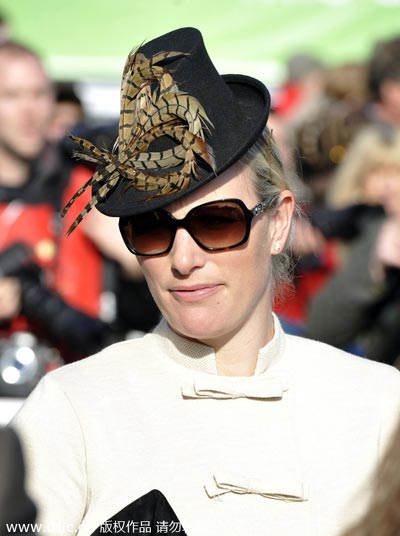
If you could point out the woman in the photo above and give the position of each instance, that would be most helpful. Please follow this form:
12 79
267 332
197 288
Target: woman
366 174
361 301
243 429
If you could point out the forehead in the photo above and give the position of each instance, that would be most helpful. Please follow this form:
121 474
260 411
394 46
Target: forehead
21 70
236 182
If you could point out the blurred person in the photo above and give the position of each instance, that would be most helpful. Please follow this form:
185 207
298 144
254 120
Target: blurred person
384 82
22 134
347 82
361 179
58 301
320 136
304 83
319 142
362 300
314 136
68 111
25 108
5 30
34 176
269 430
121 296
16 508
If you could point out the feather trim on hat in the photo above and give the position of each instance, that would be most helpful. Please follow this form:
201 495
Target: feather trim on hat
152 106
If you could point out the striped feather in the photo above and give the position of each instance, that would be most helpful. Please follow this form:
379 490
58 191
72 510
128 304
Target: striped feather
152 107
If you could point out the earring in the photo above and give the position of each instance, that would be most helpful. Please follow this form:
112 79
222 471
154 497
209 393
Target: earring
277 246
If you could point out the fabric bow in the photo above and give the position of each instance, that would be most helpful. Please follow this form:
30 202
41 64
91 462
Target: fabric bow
221 387
281 489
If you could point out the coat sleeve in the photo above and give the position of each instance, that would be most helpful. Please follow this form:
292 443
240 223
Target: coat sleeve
340 310
54 449
389 410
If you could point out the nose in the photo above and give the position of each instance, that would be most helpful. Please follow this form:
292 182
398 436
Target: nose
186 256
31 109
28 101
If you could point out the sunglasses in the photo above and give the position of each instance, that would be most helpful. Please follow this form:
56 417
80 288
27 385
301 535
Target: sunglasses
214 226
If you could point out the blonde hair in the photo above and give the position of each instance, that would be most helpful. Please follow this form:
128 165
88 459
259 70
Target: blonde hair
270 178
373 147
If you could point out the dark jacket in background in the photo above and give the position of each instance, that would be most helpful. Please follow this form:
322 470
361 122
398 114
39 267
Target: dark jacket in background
15 505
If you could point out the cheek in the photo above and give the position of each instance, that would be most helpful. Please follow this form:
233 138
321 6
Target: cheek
154 270
261 256
7 113
258 274
45 108
252 264
149 269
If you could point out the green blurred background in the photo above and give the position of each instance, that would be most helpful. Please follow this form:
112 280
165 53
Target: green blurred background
91 38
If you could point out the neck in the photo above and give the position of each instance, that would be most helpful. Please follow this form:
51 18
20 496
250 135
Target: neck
237 353
14 171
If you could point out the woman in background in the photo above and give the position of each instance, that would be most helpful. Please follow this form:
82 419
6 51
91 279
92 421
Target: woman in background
361 302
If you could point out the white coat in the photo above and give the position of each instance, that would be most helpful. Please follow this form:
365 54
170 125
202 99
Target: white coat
283 452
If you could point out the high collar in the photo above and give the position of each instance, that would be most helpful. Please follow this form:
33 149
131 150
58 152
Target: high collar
199 357
262 399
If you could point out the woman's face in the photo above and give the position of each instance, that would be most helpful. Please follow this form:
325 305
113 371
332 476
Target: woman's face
381 186
210 296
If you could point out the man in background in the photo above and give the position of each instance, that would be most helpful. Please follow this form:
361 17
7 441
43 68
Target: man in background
34 176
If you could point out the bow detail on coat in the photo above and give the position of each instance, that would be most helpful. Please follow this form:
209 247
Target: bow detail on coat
221 387
280 489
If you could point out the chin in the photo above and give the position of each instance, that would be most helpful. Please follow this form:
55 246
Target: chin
199 325
32 154
30 150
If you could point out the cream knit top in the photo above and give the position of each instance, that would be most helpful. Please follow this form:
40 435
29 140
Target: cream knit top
283 452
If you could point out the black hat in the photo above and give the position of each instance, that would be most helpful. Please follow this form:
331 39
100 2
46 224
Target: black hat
236 106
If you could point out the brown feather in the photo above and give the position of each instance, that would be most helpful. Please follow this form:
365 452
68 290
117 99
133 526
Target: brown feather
152 106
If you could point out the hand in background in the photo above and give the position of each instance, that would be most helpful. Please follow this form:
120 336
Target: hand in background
387 247
10 298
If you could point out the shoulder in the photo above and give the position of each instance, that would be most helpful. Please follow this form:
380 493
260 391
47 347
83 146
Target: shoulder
131 355
357 397
327 363
69 391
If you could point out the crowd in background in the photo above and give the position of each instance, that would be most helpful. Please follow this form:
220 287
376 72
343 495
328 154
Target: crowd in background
338 128
66 297
61 298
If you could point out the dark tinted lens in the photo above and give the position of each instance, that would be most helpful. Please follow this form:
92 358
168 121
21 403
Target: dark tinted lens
148 234
218 225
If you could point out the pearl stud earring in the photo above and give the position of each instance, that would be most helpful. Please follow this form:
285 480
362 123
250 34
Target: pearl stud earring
277 246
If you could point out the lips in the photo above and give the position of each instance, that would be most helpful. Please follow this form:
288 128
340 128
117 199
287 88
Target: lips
194 293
